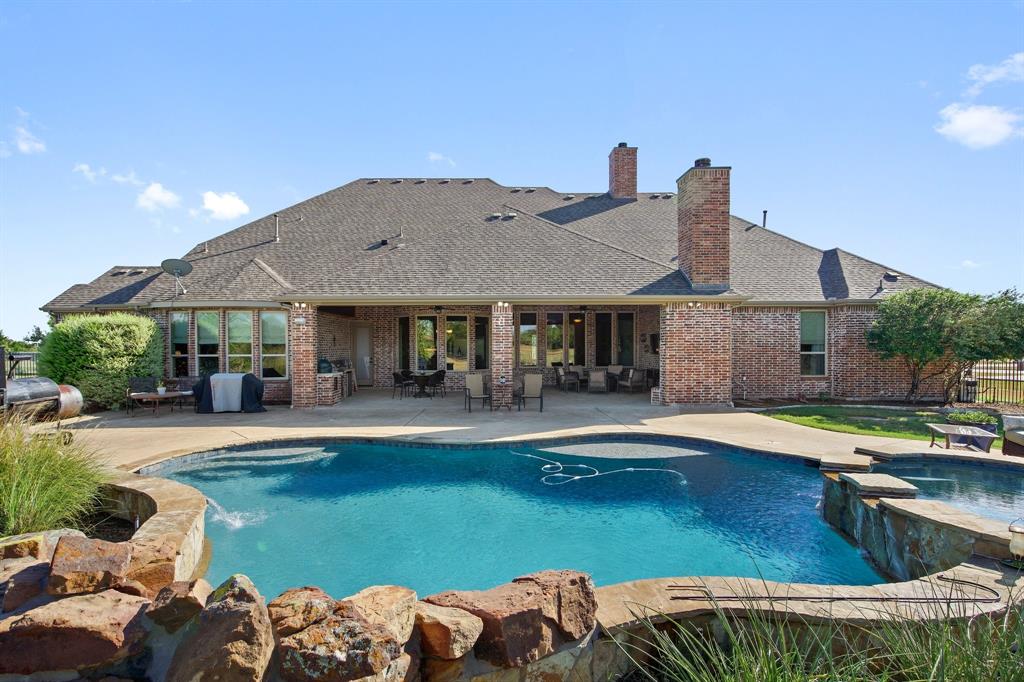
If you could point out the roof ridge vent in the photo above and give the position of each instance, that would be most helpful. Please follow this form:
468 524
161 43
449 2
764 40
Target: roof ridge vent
468 182
445 181
516 189
421 181
531 189
396 181
374 181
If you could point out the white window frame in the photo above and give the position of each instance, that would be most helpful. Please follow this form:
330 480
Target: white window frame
227 341
220 341
287 348
823 353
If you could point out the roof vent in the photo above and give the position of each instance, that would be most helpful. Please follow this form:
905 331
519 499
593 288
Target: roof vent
119 273
373 182
136 272
510 215
468 182
667 196
655 196
531 189
702 163
495 216
569 197
421 181
397 181
445 181
890 276
516 189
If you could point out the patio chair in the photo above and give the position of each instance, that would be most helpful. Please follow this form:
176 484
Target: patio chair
598 381
137 385
475 391
1013 435
581 374
565 379
407 373
533 389
402 385
436 383
633 379
183 384
614 373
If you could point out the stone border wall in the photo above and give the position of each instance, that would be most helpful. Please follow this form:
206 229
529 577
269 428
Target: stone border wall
165 510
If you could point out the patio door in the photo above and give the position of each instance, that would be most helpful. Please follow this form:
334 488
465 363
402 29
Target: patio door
362 352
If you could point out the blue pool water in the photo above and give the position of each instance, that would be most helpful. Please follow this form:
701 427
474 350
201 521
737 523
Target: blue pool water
989 491
346 516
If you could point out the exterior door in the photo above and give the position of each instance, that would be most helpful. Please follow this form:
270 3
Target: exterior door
362 347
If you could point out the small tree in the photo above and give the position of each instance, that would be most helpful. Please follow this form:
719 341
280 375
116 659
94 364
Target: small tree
939 332
97 353
36 336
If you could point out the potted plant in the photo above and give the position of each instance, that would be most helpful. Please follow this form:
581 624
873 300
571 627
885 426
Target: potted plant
161 387
982 420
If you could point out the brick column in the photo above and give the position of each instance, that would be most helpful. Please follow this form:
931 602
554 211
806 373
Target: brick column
502 336
302 344
696 354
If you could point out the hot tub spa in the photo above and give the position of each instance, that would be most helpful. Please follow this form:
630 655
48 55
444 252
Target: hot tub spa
346 515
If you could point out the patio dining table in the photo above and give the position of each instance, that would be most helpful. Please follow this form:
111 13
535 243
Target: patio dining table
421 384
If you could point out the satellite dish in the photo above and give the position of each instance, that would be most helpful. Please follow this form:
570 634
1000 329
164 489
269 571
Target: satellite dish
178 268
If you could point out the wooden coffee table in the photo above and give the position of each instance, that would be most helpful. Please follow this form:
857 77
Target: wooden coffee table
154 399
985 438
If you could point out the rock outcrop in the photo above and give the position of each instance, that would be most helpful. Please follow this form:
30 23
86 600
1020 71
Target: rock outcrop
80 565
178 603
392 606
20 581
446 632
298 608
38 545
231 640
528 618
86 630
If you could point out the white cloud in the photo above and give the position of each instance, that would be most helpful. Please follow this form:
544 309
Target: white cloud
1010 70
437 157
127 179
156 197
226 206
88 172
968 264
26 142
978 126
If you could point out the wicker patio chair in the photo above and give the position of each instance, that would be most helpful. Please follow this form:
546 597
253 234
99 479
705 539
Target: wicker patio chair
402 385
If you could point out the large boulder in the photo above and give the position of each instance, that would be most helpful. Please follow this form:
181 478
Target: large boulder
392 606
178 603
528 618
82 564
341 647
152 564
231 640
20 581
298 608
39 545
446 632
77 632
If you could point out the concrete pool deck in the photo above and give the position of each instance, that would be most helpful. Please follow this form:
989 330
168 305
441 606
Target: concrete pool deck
132 442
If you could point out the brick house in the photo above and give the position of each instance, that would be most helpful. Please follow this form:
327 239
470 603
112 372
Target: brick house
472 276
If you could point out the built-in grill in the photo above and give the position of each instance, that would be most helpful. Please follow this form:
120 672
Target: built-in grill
44 397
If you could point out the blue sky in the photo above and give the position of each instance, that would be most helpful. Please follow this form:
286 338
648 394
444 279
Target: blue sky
131 132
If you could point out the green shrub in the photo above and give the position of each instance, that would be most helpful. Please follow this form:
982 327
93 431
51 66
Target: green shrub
97 353
971 417
44 483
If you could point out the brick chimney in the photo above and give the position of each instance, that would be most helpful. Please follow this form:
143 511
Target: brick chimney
703 225
622 172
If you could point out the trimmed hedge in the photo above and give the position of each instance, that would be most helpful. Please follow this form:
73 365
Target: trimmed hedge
97 353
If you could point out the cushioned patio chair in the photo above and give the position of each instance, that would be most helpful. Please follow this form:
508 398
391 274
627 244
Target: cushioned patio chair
598 381
402 385
184 385
533 389
475 390
632 379
581 374
564 379
615 373
1013 435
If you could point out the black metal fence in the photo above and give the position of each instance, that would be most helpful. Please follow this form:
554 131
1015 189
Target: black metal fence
994 381
25 365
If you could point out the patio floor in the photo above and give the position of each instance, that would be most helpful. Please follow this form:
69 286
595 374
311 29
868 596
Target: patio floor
133 442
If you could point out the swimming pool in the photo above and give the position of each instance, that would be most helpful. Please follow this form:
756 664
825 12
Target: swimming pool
990 491
347 515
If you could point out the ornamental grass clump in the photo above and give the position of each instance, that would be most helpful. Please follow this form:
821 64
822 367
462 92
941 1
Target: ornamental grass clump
45 483
944 644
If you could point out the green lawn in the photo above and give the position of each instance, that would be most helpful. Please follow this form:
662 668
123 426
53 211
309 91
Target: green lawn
867 421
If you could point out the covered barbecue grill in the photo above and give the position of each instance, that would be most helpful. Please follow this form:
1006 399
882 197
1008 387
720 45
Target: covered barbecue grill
49 399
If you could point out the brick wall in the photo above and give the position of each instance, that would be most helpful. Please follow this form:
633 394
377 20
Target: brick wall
502 354
330 389
696 354
302 341
766 355
334 337
622 172
703 226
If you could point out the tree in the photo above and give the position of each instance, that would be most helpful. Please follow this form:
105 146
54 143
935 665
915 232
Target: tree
13 346
939 332
36 336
